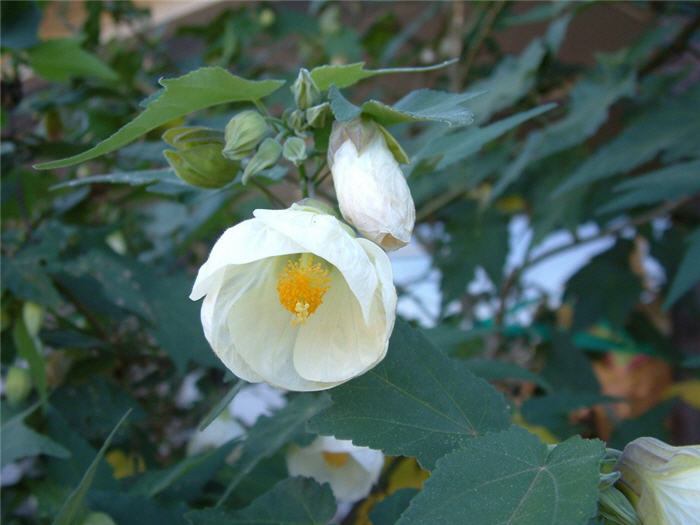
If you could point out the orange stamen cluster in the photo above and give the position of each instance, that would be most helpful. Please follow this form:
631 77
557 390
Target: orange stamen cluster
301 288
336 459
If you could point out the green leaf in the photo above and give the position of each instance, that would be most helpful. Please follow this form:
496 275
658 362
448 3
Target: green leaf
199 89
269 434
347 75
221 404
129 508
554 411
294 501
673 182
389 510
688 273
24 274
416 402
132 178
74 504
19 441
423 104
63 58
649 134
498 370
30 349
343 109
511 477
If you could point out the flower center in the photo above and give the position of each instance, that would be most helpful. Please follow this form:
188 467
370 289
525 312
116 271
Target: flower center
301 287
336 459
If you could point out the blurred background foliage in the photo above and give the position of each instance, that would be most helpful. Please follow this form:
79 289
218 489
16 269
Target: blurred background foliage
561 241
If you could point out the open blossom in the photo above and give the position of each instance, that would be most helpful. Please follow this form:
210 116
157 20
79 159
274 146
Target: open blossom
372 192
295 300
350 470
662 481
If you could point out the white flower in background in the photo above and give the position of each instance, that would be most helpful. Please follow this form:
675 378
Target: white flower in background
351 471
254 401
295 300
222 430
188 393
662 481
372 191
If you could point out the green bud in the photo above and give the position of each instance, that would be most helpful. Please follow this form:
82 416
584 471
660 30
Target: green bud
185 137
18 384
616 508
98 518
33 316
267 155
243 133
317 116
294 150
305 90
296 120
203 166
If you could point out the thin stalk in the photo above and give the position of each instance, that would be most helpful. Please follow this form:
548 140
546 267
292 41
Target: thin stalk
304 179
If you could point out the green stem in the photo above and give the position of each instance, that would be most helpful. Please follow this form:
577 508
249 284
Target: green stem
304 179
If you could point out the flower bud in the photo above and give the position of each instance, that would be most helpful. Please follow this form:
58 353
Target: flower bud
267 155
296 121
372 192
294 150
33 316
317 116
662 481
616 508
18 384
305 90
243 133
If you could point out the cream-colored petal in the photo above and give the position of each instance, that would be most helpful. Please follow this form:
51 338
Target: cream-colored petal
227 287
243 243
382 266
325 236
263 334
336 344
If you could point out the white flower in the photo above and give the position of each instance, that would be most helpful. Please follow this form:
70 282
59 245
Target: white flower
254 401
295 300
662 481
222 430
372 192
351 471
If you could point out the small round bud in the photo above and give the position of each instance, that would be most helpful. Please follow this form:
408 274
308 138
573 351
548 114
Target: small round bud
305 90
18 384
267 155
33 316
296 120
294 150
243 133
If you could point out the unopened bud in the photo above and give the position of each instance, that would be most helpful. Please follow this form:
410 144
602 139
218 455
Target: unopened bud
18 384
33 316
294 150
372 192
243 133
319 115
616 508
662 481
305 90
267 155
296 120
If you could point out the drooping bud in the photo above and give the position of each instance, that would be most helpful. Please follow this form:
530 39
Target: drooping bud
305 90
662 481
372 192
18 384
296 121
317 116
199 160
243 133
267 155
294 150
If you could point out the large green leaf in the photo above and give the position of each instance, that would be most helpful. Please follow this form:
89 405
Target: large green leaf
132 178
688 273
673 182
389 510
347 75
29 348
19 441
511 477
294 501
417 402
269 434
63 58
128 507
74 504
420 105
498 370
654 131
199 89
